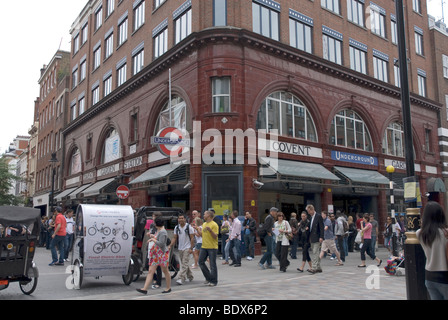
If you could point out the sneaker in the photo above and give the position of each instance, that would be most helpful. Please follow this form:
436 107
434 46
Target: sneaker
179 282
52 263
210 284
206 283
191 279
270 267
261 266
249 258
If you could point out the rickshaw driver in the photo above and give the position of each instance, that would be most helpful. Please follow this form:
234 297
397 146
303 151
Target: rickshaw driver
58 238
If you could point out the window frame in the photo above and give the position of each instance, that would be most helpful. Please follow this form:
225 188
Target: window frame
219 96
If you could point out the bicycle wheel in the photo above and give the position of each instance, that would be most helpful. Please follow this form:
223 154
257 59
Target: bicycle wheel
77 274
98 247
92 231
128 277
106 231
28 286
115 247
174 266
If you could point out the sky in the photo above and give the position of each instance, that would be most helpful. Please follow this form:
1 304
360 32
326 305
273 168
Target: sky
32 32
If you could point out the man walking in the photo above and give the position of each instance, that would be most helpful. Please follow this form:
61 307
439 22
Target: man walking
268 239
184 237
58 238
316 238
209 249
329 243
70 232
235 240
249 227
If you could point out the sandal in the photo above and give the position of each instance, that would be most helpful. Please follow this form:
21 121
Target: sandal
339 264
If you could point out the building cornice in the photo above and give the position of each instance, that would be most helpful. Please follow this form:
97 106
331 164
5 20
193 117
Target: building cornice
242 37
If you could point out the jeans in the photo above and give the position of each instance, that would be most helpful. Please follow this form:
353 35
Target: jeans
235 250
224 252
372 248
340 242
212 274
58 241
367 247
267 256
68 244
294 245
249 240
437 290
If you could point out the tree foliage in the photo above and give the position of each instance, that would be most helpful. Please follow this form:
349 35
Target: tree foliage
6 183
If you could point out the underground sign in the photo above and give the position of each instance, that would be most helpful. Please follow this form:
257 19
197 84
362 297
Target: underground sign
170 141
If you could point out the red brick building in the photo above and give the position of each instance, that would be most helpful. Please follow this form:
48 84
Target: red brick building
49 112
324 76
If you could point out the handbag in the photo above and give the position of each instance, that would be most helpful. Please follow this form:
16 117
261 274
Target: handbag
288 235
358 238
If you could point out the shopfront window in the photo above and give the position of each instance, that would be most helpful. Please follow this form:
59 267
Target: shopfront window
288 114
393 140
349 130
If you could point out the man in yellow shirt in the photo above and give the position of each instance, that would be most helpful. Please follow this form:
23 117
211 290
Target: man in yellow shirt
209 249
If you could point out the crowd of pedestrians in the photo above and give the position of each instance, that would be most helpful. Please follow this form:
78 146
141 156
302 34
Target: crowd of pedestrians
317 234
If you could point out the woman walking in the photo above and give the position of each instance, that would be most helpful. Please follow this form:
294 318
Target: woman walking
282 247
366 229
433 238
304 240
158 255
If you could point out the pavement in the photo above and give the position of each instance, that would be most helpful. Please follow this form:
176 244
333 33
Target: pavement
249 282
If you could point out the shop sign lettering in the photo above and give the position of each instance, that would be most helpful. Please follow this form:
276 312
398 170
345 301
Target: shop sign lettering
354 158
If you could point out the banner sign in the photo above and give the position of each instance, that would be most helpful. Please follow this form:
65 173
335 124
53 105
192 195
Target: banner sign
354 158
108 231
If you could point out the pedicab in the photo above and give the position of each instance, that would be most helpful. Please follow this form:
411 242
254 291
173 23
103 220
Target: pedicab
102 246
140 247
17 247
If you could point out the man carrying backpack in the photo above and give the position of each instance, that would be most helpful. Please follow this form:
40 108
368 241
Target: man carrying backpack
184 238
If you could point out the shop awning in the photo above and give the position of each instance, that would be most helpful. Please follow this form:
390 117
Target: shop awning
73 195
295 169
363 176
96 188
64 193
155 173
435 185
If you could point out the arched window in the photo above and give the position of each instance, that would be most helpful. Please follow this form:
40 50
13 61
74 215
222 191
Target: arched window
75 162
349 130
111 147
393 140
178 116
286 113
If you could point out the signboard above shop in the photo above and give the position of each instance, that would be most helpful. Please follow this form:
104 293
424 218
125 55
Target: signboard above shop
354 158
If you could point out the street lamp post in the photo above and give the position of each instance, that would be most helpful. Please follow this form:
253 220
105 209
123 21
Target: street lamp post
391 169
414 255
53 161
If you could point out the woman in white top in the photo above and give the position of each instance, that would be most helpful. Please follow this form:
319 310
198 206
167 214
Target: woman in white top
282 246
198 237
432 237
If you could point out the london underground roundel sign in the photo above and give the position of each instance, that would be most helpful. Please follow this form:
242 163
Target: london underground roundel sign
170 141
